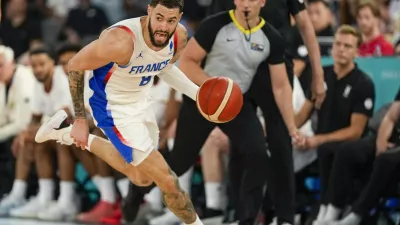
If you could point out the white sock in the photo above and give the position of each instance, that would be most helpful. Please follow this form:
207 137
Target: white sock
107 190
213 195
123 187
351 219
67 193
154 199
197 222
322 212
19 189
96 179
90 140
46 190
332 213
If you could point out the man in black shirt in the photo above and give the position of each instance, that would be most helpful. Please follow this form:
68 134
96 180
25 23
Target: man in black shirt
277 13
379 153
344 114
321 18
19 31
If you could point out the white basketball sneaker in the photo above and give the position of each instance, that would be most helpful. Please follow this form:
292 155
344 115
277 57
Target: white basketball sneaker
56 128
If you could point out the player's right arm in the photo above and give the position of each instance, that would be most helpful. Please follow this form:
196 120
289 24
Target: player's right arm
113 45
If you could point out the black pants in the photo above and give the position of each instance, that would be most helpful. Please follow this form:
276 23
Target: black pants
357 159
279 172
7 166
245 133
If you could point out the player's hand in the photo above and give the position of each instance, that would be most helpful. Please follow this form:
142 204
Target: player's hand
298 139
318 89
80 133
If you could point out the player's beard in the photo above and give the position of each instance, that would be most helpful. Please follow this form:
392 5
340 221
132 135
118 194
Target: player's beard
153 33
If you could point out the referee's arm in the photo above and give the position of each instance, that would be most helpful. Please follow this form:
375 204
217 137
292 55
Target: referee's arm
197 49
297 9
279 79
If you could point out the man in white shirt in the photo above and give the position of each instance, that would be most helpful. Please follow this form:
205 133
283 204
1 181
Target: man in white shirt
16 89
50 95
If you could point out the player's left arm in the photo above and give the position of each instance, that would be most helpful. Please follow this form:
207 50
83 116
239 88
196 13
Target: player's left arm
172 75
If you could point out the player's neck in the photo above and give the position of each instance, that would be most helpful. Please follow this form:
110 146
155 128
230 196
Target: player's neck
241 19
343 70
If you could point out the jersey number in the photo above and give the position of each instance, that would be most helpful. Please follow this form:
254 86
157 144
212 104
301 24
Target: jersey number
145 81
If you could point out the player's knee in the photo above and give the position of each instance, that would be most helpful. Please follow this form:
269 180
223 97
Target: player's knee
170 184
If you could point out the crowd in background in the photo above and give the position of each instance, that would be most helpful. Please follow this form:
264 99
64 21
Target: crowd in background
64 26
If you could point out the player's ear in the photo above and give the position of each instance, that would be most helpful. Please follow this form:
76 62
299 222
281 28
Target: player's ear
180 15
263 3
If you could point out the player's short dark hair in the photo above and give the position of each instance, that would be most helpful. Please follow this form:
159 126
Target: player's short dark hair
68 48
371 5
41 50
325 3
171 4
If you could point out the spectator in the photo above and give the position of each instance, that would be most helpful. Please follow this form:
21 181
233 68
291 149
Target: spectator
18 30
84 23
374 43
322 19
49 96
379 152
345 112
16 88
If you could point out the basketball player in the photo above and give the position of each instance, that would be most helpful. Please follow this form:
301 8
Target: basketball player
124 60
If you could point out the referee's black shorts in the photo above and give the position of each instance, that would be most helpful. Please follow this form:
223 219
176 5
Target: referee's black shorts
245 133
280 172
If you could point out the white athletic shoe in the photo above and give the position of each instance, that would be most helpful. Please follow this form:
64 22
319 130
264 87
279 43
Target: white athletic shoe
59 212
55 128
8 203
168 218
30 209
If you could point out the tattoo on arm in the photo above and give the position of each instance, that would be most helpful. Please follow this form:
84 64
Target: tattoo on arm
76 87
179 202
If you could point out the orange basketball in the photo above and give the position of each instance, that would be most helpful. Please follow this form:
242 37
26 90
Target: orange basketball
219 99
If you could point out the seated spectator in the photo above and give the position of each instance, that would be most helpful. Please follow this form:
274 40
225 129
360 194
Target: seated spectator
16 89
49 96
18 30
381 152
84 23
344 114
322 20
373 41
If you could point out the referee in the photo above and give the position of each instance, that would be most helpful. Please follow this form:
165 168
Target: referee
281 186
237 44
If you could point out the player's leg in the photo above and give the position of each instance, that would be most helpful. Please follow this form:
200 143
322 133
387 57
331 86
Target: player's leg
213 152
17 195
66 206
43 158
191 132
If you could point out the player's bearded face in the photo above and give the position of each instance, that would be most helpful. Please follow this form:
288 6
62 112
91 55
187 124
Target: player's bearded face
159 37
